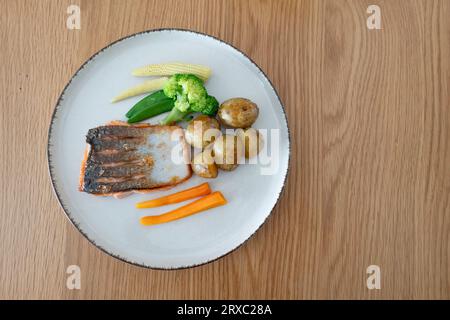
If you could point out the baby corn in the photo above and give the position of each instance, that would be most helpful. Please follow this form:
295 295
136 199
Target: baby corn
166 69
145 87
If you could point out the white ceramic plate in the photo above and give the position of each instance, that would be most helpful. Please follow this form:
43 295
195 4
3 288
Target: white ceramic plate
112 224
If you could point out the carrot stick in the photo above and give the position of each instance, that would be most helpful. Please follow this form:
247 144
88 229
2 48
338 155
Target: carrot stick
212 200
194 192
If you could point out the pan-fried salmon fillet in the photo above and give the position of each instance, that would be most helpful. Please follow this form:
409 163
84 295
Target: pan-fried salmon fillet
122 158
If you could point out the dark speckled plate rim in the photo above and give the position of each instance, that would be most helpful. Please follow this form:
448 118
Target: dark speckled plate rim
50 166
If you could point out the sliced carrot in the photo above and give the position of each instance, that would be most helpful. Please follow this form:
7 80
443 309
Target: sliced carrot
212 200
194 192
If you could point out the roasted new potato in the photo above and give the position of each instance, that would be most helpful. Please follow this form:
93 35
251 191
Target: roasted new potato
203 164
201 131
252 140
238 113
227 151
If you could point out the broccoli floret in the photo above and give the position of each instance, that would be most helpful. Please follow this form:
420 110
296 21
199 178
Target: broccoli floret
190 96
208 106
182 103
171 88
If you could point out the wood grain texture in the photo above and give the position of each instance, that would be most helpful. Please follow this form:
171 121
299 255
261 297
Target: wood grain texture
369 117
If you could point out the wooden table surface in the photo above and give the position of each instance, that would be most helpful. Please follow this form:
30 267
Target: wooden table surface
369 118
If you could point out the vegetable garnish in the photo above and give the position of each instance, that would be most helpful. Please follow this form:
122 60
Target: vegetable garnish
167 69
150 106
212 200
194 192
145 87
190 96
152 109
143 103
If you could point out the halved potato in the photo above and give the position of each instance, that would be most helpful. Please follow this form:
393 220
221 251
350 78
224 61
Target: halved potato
203 164
201 131
228 150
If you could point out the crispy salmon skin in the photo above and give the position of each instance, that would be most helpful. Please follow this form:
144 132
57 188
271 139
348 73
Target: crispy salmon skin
122 158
